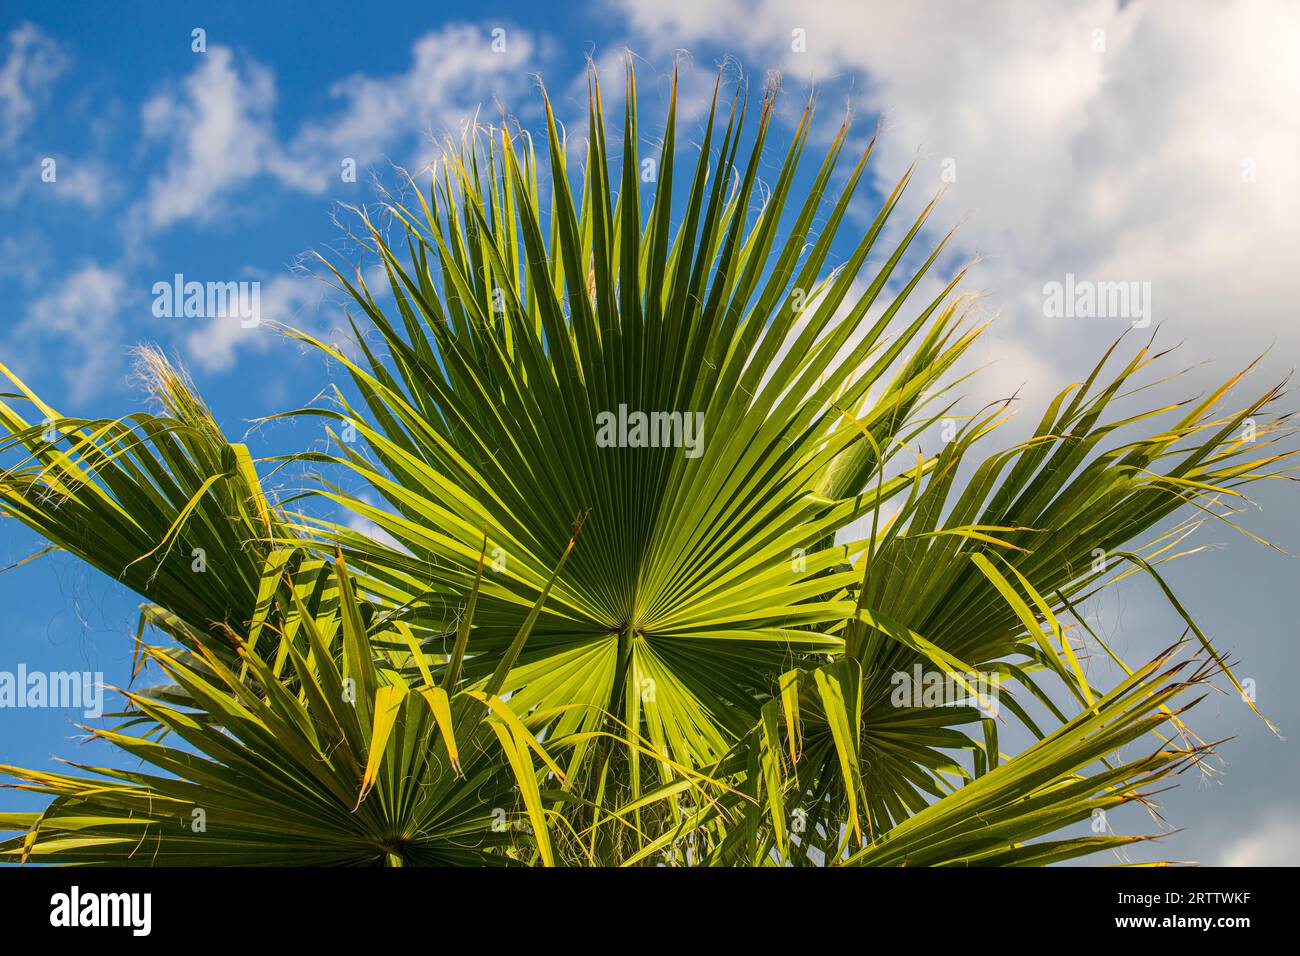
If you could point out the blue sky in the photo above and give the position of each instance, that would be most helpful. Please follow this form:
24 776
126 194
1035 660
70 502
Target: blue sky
1112 142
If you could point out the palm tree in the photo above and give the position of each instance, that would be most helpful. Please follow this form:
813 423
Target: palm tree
656 548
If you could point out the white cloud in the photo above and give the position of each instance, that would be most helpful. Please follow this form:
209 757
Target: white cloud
1274 842
291 300
1130 163
1120 164
34 60
453 72
84 180
75 326
301 300
29 68
219 130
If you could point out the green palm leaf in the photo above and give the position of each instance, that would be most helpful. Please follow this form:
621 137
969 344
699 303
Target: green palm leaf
336 760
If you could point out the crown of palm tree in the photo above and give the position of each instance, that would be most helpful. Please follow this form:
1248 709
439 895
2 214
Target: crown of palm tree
672 461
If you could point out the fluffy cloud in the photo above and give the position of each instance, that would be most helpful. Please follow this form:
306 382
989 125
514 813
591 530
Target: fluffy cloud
218 127
1117 142
453 73
218 132
32 62
301 300
284 299
74 326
